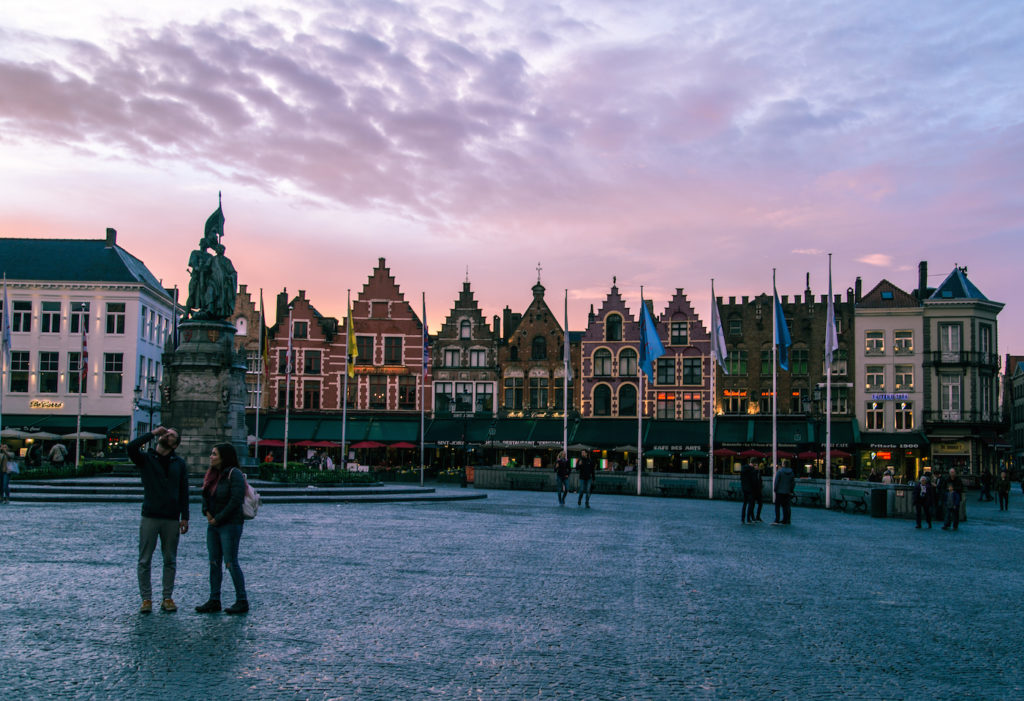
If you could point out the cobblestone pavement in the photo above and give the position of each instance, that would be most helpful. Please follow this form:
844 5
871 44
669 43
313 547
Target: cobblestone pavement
515 597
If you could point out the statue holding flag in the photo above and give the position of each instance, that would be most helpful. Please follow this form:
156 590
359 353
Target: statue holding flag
213 281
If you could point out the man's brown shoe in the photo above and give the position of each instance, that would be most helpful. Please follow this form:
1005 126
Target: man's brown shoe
169 606
147 606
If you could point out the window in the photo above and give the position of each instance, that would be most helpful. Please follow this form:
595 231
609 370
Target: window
627 400
679 333
796 401
113 370
798 361
839 362
451 357
613 327
874 342
393 350
602 400
666 374
75 383
407 392
300 329
378 392
253 362
282 362
665 405
949 396
442 397
513 354
142 321
477 358
840 400
692 406
364 347
766 362
115 318
904 416
984 339
283 395
311 394
465 329
251 395
311 362
484 398
603 363
904 379
21 316
692 371
874 416
538 393
49 364
765 402
735 327
902 342
463 397
736 362
735 401
949 341
874 377
19 371
514 393
627 363
558 394
79 317
539 348
51 317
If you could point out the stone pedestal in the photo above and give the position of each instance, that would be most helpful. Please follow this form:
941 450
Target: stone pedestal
204 392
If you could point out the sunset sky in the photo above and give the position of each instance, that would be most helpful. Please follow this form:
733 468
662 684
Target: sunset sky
664 143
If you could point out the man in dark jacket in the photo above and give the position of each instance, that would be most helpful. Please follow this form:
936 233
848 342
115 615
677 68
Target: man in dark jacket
586 469
164 509
750 483
924 499
785 481
958 487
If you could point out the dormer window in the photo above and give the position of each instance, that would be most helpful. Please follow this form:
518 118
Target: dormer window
465 329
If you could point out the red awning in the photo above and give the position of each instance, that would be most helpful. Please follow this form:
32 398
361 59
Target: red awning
402 444
366 444
318 444
751 453
271 443
725 453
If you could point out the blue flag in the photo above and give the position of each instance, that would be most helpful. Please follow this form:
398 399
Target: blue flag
651 347
782 334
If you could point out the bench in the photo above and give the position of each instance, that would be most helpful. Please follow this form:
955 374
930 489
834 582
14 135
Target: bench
735 491
531 482
609 484
808 492
671 488
856 497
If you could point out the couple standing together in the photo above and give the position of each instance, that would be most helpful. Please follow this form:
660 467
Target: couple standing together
750 482
165 516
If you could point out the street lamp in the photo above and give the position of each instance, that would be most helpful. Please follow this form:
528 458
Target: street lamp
151 404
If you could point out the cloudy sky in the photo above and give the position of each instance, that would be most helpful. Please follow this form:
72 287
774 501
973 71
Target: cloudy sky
664 143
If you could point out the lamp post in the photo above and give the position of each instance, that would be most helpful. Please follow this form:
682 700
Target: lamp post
151 403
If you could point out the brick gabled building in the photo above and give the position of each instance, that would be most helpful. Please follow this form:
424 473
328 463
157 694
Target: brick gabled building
318 360
464 360
682 381
609 357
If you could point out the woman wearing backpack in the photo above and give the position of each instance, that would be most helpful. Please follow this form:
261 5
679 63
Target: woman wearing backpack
223 492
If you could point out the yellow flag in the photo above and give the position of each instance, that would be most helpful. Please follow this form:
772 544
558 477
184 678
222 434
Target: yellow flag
353 349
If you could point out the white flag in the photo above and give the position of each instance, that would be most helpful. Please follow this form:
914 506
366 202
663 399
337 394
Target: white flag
831 336
7 327
718 349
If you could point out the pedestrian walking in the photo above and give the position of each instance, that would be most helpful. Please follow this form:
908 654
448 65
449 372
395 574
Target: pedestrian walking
57 455
958 486
924 500
749 482
586 469
8 466
164 509
1003 486
785 481
758 491
986 486
562 471
952 507
223 493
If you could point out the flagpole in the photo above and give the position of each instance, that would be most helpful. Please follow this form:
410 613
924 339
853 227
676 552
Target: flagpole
565 382
640 398
83 371
259 382
775 382
711 403
287 386
829 333
423 394
4 350
344 390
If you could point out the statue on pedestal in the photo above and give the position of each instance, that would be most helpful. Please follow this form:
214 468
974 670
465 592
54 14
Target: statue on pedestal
213 282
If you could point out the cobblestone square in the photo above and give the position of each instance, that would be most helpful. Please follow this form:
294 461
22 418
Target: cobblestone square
514 597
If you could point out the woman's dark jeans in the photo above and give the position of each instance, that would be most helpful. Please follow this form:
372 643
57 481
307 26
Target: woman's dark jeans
222 544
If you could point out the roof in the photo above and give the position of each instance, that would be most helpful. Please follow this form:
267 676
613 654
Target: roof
957 286
886 295
73 260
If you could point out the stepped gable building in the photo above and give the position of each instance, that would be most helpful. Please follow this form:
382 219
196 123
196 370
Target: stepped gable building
609 355
682 380
464 360
62 291
389 336
317 359
889 387
961 374
531 361
247 322
747 388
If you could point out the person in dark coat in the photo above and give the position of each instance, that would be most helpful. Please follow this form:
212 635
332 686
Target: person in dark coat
924 499
750 483
958 487
953 499
586 469
223 493
758 491
785 481
1003 486
562 470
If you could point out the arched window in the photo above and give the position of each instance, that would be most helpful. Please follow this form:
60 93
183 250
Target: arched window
602 400
540 348
242 326
627 400
603 363
465 329
613 327
627 363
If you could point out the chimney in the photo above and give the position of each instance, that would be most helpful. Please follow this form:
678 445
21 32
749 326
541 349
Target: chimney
497 327
857 290
282 305
922 280
111 237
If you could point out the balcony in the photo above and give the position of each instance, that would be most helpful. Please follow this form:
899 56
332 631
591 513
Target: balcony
987 361
960 417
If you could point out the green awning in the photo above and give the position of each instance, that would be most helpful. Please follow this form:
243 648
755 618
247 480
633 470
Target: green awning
444 432
675 436
605 433
300 428
385 430
548 432
330 430
733 431
791 432
65 423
